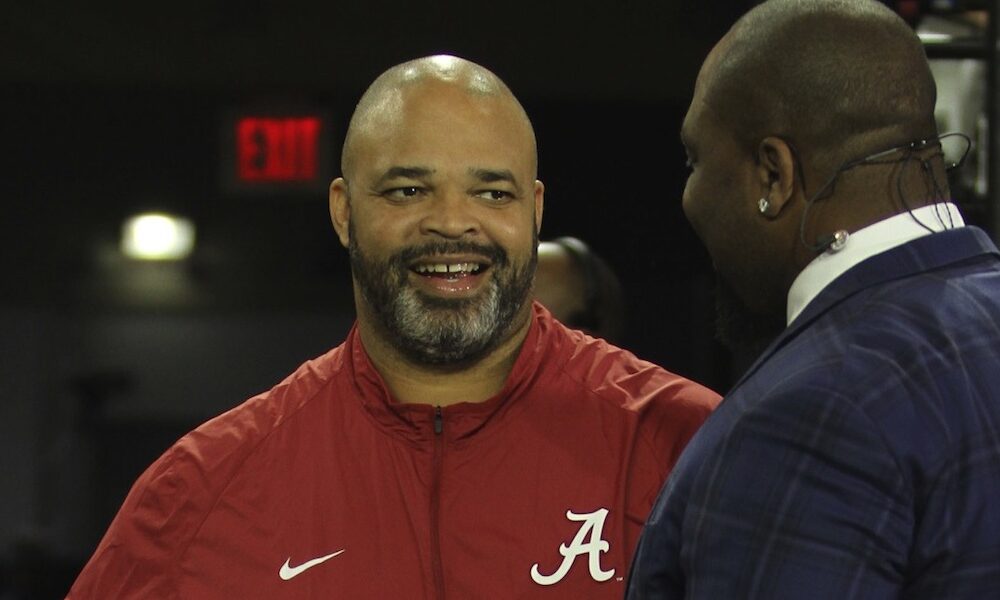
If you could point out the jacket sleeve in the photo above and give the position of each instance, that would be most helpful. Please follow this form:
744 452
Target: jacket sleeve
138 556
801 499
668 420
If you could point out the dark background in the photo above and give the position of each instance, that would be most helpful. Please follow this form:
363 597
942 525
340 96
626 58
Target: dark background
110 109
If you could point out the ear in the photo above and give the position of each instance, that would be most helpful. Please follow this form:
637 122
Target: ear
776 172
340 209
539 204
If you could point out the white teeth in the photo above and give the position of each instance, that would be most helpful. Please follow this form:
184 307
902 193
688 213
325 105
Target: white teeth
448 268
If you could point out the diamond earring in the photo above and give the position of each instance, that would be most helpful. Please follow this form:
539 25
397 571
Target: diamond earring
763 205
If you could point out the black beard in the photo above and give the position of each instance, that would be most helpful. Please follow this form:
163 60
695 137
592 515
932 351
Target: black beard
738 328
443 332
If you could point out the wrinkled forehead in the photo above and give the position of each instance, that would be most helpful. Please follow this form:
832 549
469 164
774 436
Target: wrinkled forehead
429 113
442 101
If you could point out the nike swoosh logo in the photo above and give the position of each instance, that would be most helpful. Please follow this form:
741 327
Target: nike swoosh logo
287 572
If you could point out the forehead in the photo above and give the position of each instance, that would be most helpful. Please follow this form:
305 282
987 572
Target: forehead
698 122
700 112
436 122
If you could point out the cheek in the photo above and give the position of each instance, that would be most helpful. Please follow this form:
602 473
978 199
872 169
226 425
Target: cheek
686 202
377 235
514 228
696 204
384 220
709 209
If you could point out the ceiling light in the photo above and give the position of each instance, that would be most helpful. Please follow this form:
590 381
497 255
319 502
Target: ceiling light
934 37
157 236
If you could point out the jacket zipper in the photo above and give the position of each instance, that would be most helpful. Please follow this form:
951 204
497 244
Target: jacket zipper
436 504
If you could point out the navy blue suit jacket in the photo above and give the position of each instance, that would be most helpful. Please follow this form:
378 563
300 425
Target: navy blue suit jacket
859 457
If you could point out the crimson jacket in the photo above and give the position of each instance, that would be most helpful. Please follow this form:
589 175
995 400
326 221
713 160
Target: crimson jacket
327 487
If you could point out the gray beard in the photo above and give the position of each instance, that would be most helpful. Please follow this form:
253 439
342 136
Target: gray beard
443 332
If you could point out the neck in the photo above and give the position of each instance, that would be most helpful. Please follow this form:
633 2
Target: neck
413 383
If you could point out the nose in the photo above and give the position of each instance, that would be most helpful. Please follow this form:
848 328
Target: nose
450 214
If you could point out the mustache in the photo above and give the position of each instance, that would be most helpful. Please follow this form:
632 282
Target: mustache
497 255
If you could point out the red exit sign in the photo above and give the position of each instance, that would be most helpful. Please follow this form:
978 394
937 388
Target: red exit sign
278 149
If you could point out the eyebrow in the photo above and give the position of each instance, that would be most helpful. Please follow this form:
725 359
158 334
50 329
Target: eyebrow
404 172
494 175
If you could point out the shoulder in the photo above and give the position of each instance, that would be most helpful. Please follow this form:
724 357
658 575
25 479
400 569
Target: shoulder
666 407
910 361
217 448
171 499
898 323
924 326
618 376
959 299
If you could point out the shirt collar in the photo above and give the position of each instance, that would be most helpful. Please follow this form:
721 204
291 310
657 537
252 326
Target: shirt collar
415 421
865 243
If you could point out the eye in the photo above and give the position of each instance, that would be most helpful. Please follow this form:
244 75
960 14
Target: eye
495 196
402 194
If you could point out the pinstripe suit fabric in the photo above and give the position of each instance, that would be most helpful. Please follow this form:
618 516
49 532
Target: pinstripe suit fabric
860 456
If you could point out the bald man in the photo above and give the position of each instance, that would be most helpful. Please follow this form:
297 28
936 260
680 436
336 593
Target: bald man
859 457
460 442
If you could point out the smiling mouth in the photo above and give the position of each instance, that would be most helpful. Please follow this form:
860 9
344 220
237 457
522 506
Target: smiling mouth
449 271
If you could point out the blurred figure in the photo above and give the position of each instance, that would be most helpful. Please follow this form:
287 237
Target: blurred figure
460 442
580 288
859 456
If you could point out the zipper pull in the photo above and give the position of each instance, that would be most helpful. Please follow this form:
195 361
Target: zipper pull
438 420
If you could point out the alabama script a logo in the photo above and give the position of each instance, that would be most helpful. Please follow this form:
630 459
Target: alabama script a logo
587 541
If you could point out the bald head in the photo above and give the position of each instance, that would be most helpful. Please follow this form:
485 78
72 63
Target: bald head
837 77
385 99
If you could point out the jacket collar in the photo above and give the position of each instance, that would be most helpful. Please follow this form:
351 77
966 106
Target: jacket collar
866 242
415 422
921 255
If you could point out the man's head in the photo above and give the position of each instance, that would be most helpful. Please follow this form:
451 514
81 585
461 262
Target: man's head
793 91
579 287
440 207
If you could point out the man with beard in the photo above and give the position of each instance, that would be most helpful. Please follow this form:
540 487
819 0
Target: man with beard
859 456
461 442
